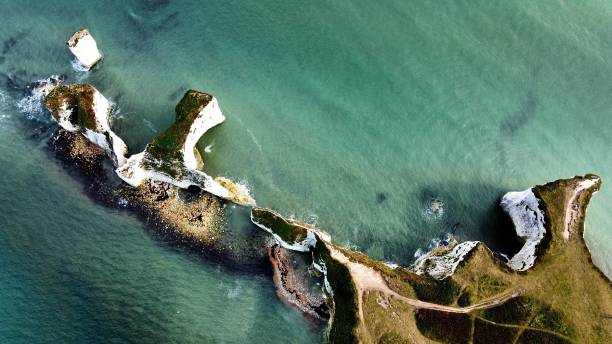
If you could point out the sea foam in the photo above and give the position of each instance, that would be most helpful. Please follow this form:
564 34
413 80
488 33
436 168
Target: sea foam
32 105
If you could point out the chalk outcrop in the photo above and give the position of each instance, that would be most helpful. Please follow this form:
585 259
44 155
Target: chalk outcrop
523 209
84 47
442 261
81 108
173 158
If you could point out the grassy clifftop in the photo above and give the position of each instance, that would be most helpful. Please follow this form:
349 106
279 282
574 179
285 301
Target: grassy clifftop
79 97
169 144
564 298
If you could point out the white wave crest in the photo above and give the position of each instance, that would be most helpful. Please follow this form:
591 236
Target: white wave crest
78 66
32 105
82 72
3 105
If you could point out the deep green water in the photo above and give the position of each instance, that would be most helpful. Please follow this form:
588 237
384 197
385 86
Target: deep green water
352 114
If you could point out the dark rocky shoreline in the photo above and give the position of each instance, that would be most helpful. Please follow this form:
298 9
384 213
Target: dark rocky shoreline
90 165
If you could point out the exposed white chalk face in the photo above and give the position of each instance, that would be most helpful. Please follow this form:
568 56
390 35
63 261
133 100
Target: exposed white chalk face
143 166
208 117
135 171
528 219
442 266
84 48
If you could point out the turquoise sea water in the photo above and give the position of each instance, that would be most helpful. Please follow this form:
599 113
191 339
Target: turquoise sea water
350 114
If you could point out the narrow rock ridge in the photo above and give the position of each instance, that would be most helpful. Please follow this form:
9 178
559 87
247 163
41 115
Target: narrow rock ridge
290 234
572 209
83 46
81 108
172 157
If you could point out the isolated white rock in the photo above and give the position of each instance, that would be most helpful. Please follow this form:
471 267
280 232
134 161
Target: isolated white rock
84 48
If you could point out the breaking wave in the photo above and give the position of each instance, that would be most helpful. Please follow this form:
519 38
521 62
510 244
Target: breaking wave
32 105
440 241
3 105
78 66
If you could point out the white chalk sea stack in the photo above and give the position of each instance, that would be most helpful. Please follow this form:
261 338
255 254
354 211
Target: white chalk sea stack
84 47
173 157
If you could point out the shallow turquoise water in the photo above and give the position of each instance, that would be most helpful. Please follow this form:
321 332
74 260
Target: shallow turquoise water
350 114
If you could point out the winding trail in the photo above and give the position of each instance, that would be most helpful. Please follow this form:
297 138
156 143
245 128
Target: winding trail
368 279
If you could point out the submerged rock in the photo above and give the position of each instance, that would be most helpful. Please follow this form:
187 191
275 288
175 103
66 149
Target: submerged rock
81 108
173 158
84 48
434 208
32 104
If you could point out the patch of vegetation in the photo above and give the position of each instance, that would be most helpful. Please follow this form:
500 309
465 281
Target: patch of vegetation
535 336
486 332
79 99
443 292
465 299
515 311
550 319
168 145
288 231
392 338
489 285
444 327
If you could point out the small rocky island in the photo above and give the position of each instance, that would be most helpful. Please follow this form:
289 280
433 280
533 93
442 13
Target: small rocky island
548 292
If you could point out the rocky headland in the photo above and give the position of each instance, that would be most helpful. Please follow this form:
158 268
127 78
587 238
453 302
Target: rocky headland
549 291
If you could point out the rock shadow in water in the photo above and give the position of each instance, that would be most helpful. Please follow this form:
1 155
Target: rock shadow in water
153 5
471 209
513 122
520 118
12 41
